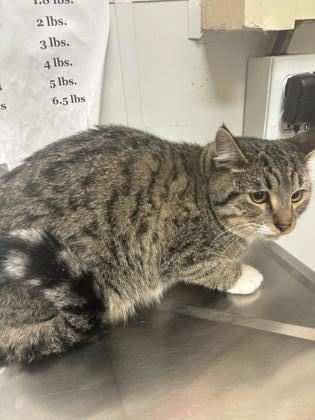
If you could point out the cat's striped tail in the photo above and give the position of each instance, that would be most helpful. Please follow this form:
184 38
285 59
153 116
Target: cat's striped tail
49 301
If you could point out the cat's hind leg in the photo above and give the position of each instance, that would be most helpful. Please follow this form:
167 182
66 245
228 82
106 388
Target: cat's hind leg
48 300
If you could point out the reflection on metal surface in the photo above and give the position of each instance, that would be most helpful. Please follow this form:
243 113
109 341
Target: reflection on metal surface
302 273
226 360
291 330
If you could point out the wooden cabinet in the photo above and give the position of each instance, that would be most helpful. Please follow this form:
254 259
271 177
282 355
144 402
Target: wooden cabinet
255 14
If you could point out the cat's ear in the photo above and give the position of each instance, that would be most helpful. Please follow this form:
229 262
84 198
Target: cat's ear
227 153
306 142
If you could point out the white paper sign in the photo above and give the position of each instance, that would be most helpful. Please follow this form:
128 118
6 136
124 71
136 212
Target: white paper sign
52 54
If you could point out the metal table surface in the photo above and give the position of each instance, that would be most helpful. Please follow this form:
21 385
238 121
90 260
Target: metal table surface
199 355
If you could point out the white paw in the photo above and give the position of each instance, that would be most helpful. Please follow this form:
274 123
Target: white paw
249 281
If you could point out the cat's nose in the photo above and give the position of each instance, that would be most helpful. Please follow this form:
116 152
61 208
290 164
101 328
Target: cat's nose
284 228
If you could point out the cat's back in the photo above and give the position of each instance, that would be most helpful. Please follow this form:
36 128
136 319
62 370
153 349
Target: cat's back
70 176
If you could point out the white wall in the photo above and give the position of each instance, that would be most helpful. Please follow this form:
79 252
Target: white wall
176 87
156 78
301 242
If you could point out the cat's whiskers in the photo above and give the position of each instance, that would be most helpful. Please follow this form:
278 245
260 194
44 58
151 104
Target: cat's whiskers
226 250
246 229
238 229
228 242
225 242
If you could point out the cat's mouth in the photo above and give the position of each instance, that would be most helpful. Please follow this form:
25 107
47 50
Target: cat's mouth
276 232
268 232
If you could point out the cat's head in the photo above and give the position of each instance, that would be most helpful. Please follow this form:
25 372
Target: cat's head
260 186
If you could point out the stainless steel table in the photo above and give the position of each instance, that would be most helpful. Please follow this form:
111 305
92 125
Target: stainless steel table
199 355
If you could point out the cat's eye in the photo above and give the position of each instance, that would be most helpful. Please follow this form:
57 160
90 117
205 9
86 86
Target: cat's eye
259 197
297 196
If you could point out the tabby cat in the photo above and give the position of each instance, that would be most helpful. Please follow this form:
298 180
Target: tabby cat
94 226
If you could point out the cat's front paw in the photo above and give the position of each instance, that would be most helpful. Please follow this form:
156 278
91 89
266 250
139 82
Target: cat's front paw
248 282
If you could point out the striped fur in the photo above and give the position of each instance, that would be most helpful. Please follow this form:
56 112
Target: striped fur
103 223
